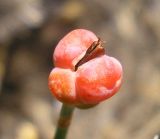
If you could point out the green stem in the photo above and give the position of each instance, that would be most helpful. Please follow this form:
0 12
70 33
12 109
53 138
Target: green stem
64 121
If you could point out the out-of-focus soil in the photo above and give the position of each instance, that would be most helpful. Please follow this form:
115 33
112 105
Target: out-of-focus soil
29 32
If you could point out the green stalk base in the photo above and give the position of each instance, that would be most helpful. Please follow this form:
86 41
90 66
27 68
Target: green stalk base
64 121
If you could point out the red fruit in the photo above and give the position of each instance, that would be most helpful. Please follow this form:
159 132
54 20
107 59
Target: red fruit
85 75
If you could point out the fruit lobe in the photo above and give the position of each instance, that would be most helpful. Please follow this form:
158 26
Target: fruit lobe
84 76
71 46
62 84
98 79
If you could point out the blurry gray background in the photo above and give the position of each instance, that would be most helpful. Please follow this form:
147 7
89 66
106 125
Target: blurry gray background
29 32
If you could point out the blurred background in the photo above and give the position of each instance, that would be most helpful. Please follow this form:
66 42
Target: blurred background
29 32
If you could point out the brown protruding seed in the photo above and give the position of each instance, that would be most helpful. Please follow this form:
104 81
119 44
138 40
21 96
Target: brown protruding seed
93 46
89 52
